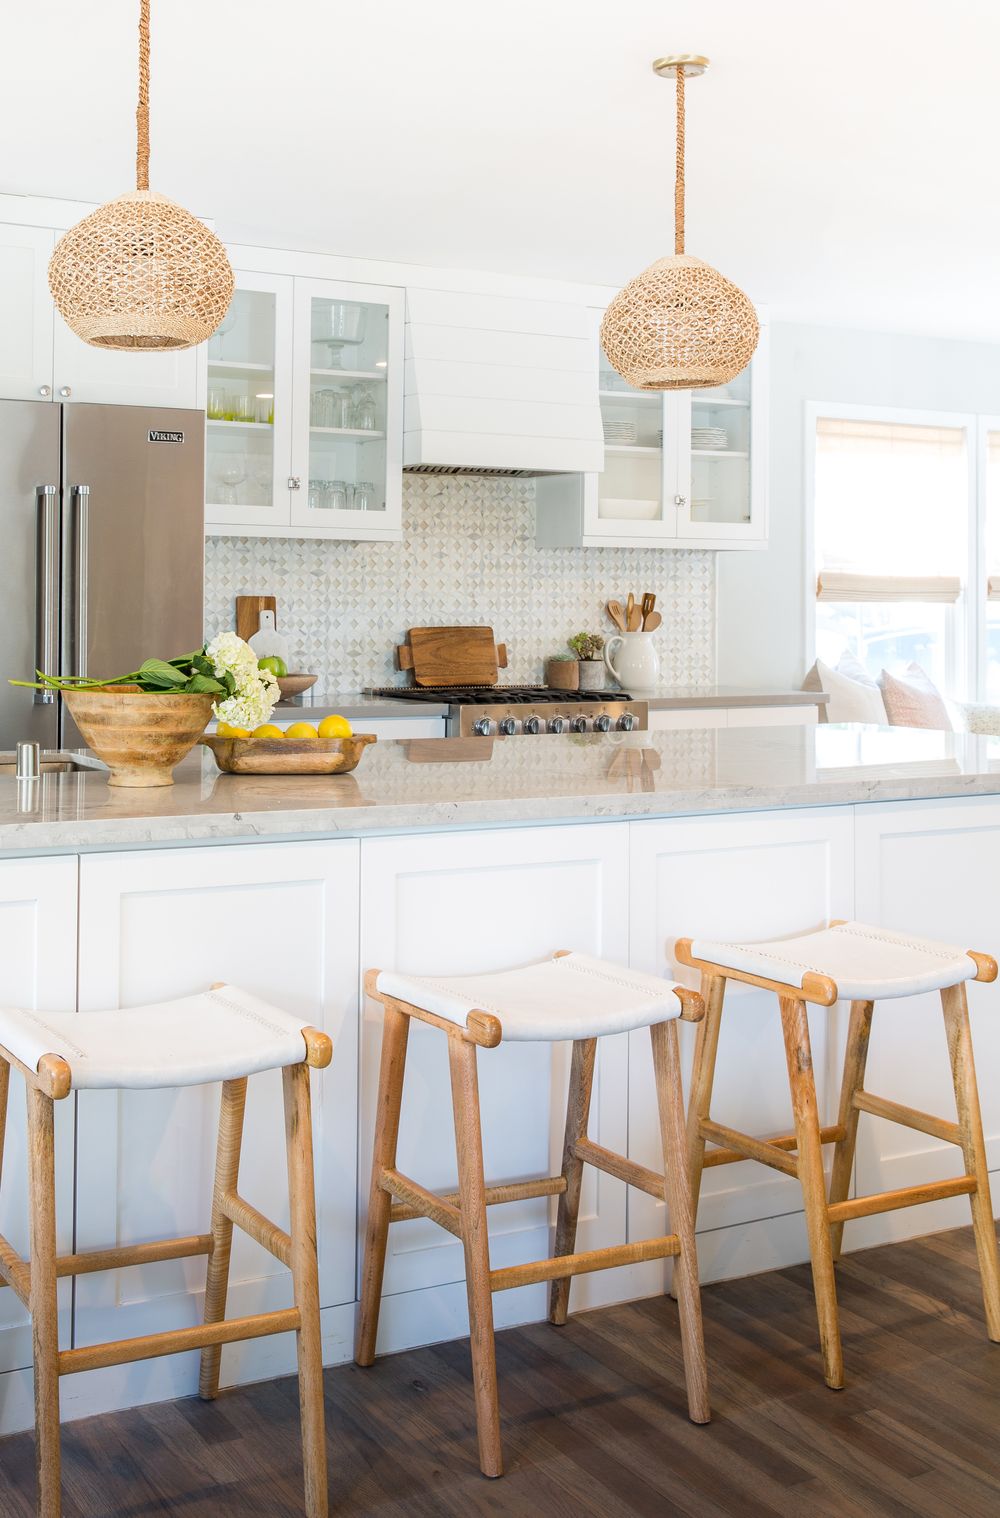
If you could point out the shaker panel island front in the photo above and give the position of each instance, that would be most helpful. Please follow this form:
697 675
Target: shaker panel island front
437 859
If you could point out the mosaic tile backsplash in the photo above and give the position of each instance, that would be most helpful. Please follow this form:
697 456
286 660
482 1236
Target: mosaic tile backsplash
468 556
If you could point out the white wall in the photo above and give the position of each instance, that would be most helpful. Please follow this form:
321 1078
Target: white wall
761 596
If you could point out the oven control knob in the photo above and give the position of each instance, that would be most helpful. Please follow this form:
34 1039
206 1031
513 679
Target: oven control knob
532 724
508 726
626 722
556 725
483 727
578 725
602 724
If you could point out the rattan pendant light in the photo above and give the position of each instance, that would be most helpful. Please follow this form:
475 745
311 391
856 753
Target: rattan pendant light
141 272
680 324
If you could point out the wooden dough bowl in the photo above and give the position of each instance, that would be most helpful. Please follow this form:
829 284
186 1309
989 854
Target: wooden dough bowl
287 756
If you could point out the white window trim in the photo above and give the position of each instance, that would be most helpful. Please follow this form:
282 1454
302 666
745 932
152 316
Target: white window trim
965 662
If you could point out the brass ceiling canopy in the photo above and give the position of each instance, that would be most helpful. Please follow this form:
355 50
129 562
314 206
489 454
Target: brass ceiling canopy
680 324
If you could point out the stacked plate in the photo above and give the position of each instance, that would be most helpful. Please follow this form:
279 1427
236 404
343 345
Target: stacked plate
620 432
709 437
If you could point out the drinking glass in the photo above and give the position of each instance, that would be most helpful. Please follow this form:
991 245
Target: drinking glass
227 324
232 473
260 474
337 495
339 324
216 408
244 409
365 409
317 493
364 496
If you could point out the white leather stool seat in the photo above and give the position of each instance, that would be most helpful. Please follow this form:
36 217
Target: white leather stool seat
573 996
216 1035
868 964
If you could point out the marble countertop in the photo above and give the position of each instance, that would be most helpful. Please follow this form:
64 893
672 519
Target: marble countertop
407 785
356 705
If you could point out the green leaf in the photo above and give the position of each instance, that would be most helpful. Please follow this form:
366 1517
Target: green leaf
204 685
157 672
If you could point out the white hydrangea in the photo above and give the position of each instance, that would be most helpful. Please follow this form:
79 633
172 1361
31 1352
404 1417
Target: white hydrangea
257 690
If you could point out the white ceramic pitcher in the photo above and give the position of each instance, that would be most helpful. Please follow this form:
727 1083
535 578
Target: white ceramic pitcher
637 666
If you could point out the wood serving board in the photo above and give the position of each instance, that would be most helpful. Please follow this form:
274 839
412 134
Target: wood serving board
452 655
248 610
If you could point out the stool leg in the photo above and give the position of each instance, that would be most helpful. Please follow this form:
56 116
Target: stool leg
305 1280
677 1195
395 1031
970 1122
227 1173
798 1053
706 1047
855 1060
43 1302
581 1082
475 1239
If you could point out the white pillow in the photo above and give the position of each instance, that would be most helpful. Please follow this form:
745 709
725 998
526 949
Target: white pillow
851 700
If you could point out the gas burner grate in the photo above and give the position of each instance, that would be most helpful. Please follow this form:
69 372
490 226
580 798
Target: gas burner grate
492 695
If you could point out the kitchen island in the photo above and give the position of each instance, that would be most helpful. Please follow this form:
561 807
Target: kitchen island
451 856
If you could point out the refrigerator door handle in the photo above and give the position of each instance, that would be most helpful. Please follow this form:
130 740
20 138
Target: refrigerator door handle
46 586
79 531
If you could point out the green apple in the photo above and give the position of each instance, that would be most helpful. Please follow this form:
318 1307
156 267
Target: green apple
274 665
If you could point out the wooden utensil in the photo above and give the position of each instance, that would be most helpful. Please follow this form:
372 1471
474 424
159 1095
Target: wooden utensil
648 602
452 655
634 619
629 608
617 615
652 622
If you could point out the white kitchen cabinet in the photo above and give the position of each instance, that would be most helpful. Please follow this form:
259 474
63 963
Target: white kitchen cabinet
26 313
454 904
109 376
798 715
38 926
281 920
684 469
743 876
927 868
304 405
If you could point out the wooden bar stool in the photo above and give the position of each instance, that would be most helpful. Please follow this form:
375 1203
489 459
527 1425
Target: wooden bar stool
224 1035
570 996
851 961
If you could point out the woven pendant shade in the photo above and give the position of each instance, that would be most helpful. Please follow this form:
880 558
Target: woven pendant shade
680 324
141 272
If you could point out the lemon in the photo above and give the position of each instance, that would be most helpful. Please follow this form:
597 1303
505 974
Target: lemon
267 730
302 730
226 730
335 727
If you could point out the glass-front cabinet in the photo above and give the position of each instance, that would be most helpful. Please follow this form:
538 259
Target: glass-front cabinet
686 468
304 413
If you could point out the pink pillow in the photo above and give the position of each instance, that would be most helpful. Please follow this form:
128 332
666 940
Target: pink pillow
915 701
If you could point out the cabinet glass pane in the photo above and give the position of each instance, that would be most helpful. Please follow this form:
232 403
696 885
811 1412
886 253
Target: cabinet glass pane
720 452
347 406
239 446
631 486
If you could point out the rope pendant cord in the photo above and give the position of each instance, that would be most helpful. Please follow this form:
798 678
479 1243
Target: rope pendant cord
679 179
142 109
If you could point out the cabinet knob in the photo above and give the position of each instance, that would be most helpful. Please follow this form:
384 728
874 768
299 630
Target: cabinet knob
295 482
65 391
680 500
45 389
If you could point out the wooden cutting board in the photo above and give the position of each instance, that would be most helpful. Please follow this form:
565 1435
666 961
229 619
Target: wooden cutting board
248 610
452 655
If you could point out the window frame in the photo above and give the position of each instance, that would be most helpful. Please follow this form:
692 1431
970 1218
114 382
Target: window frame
965 649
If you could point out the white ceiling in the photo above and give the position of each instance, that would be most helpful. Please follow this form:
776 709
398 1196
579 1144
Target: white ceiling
842 157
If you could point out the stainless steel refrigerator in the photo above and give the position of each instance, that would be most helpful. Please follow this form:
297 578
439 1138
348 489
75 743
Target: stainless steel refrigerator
102 549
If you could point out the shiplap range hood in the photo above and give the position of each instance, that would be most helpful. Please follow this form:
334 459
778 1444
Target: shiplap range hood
498 385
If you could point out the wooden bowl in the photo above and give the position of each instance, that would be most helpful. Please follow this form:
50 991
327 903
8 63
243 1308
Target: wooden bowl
140 737
294 685
288 756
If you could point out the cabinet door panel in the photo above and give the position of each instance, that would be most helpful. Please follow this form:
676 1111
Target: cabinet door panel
282 921
747 876
927 868
457 903
26 312
38 954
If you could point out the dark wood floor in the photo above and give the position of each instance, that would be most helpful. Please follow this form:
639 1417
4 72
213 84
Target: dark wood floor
594 1418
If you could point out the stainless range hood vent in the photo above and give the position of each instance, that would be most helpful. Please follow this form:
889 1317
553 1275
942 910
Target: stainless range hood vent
479 474
501 387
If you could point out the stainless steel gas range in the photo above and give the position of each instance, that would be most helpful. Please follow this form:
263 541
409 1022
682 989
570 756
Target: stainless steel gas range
513 710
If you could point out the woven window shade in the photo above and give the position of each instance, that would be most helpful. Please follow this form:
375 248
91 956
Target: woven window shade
834 585
680 324
141 272
993 588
